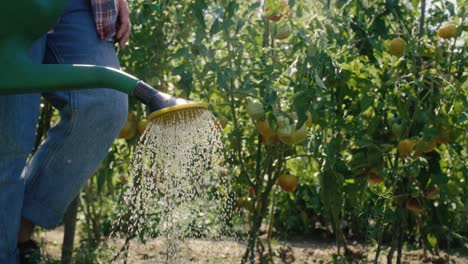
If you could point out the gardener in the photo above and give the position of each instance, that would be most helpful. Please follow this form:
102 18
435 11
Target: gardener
38 194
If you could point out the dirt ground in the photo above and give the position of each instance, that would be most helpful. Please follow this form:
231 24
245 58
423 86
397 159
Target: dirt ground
201 251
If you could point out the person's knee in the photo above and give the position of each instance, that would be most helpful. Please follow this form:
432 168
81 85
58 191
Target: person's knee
104 115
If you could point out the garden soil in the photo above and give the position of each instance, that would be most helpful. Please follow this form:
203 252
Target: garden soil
200 251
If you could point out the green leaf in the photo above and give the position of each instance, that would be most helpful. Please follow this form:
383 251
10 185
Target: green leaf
270 98
215 27
231 9
301 103
197 9
101 178
366 101
156 6
319 82
375 156
350 181
432 240
439 178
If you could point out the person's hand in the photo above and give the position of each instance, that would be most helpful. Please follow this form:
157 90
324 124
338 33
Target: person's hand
124 26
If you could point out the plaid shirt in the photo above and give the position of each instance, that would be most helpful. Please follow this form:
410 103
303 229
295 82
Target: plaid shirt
105 16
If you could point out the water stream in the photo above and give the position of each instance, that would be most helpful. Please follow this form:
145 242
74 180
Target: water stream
180 188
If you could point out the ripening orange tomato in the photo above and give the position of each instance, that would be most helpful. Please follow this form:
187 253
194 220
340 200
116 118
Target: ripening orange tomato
405 147
374 178
413 206
276 15
263 127
288 183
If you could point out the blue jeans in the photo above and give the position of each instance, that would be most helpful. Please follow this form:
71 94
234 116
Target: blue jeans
90 120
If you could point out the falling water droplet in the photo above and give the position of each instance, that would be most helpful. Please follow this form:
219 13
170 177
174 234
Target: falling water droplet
180 188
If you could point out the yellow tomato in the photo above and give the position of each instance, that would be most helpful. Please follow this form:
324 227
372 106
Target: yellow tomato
447 31
397 47
405 147
288 183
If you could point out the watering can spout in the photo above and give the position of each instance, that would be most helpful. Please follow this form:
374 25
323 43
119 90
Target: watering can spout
156 100
34 78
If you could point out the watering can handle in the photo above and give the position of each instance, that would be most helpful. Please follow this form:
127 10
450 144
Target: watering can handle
37 78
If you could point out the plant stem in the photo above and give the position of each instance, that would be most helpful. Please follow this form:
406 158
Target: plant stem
258 176
400 246
394 242
382 227
421 33
270 226
69 231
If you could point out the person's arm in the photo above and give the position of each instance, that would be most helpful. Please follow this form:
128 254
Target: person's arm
124 26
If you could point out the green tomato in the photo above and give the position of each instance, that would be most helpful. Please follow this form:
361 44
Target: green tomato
255 110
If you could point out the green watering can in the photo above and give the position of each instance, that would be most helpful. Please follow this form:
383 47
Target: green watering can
19 75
